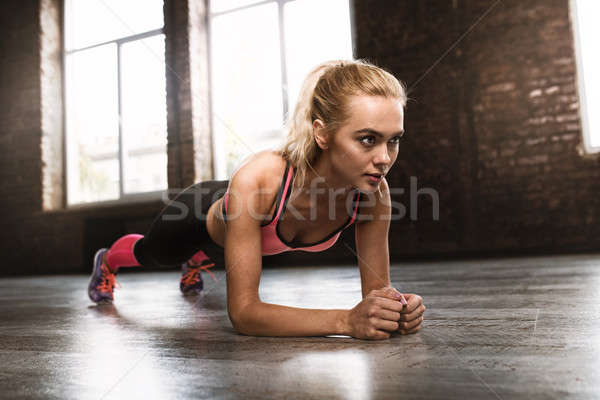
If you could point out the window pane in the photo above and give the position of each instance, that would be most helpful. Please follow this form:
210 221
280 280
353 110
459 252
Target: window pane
246 82
144 115
588 12
90 22
92 125
224 5
328 38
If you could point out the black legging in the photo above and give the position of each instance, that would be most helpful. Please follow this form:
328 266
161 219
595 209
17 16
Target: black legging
179 231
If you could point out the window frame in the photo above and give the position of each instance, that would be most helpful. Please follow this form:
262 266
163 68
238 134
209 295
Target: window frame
124 198
587 148
282 55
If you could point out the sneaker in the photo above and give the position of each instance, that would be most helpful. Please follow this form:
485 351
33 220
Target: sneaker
102 281
191 281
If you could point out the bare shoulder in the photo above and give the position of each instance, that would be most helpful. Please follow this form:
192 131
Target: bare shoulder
385 189
258 179
262 170
377 204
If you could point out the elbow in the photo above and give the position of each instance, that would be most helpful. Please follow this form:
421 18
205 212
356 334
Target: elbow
237 324
238 320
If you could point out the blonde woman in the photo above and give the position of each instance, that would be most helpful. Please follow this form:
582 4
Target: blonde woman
342 140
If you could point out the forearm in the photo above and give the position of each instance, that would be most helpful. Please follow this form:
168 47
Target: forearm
366 288
264 319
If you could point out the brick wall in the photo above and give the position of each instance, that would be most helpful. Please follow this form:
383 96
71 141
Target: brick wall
38 235
493 126
179 105
20 157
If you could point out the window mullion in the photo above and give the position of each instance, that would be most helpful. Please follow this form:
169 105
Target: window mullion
120 119
284 86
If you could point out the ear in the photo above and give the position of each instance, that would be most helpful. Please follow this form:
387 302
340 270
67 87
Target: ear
319 134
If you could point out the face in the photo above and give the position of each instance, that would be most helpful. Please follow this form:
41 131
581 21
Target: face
368 143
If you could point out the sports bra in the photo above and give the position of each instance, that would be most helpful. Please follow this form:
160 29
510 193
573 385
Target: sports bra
271 240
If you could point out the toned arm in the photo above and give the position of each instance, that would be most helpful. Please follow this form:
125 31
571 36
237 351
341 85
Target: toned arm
243 261
371 238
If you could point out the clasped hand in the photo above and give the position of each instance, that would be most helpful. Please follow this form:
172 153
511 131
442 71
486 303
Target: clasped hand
381 313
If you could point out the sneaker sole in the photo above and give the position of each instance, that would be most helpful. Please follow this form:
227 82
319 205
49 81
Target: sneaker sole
192 292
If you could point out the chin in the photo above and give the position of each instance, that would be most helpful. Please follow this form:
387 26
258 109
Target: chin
368 188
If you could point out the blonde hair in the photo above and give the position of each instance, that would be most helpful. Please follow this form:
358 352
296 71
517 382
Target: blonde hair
325 95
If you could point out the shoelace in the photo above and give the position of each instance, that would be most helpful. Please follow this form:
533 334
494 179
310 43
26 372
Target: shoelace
108 280
192 275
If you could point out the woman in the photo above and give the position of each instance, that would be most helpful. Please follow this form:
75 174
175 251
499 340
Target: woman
342 139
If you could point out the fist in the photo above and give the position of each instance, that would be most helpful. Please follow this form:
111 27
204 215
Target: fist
411 316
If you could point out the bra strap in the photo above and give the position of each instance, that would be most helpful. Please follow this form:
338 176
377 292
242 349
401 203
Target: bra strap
284 190
355 212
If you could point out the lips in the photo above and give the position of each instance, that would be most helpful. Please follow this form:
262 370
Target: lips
374 178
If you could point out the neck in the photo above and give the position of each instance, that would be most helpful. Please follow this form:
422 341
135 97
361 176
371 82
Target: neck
322 182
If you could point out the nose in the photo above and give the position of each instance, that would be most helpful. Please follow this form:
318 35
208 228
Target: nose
382 156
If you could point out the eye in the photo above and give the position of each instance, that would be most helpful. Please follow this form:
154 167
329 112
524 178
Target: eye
365 140
395 140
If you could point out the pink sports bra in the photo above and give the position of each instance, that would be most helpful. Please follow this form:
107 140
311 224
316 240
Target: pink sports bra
271 240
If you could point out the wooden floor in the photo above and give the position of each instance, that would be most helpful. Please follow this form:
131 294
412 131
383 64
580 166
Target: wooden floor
514 328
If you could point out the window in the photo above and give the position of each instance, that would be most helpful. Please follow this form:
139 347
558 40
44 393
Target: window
116 124
584 17
260 51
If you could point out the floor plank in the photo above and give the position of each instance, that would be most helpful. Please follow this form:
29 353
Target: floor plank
512 328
